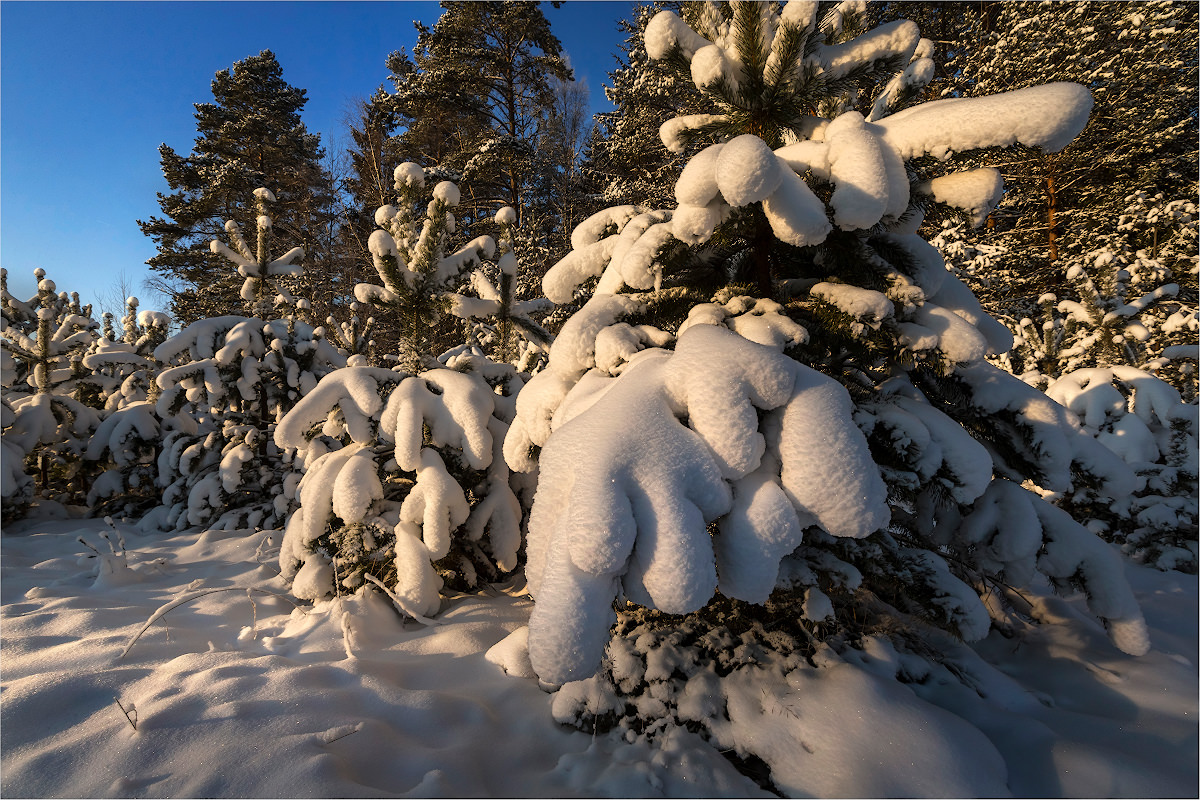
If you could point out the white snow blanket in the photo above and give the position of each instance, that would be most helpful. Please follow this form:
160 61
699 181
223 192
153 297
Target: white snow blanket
245 696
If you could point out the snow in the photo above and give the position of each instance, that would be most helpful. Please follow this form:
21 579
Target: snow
828 472
1048 116
797 216
227 687
862 304
857 168
667 31
746 170
670 131
697 182
977 191
895 38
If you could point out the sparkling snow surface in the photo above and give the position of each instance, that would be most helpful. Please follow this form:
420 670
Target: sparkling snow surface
239 696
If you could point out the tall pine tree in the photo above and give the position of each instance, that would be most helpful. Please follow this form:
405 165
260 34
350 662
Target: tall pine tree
251 135
473 98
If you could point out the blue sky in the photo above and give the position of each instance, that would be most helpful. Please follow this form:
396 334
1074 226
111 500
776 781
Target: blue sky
88 91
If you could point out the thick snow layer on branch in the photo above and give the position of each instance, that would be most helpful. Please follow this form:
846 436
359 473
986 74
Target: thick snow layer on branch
954 453
760 529
956 296
797 216
696 224
897 38
603 224
634 514
857 169
456 416
409 174
474 251
574 350
806 155
828 471
723 411
287 264
863 304
711 64
1072 552
666 31
977 191
357 392
747 170
669 132
437 503
1048 116
697 182
199 340
119 429
1058 439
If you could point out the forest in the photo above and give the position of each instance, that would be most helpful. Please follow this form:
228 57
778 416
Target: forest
855 348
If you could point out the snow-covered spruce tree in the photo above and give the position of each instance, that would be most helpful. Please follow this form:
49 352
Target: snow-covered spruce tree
1131 301
126 443
405 485
500 328
46 419
1142 419
226 381
776 390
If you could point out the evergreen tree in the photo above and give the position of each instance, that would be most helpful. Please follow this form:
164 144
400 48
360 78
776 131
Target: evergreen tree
474 98
251 135
625 162
50 406
226 381
825 436
126 443
404 482
1139 61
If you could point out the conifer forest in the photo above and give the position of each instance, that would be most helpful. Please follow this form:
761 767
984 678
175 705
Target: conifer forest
819 422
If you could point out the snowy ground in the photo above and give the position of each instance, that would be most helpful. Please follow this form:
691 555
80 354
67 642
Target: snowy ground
241 695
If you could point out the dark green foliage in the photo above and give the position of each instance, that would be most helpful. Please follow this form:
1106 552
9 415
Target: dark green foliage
251 135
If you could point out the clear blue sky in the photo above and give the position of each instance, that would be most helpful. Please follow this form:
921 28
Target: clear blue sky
88 91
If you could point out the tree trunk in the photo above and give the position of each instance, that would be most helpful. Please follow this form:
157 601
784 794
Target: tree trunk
1051 212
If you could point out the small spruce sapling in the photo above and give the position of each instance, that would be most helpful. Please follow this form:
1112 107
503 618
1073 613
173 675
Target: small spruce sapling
1142 419
404 482
46 416
126 443
225 384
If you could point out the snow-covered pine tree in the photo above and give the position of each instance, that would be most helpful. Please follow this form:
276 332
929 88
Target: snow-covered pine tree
226 381
404 482
126 442
1135 306
500 329
46 420
1105 356
776 388
416 276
